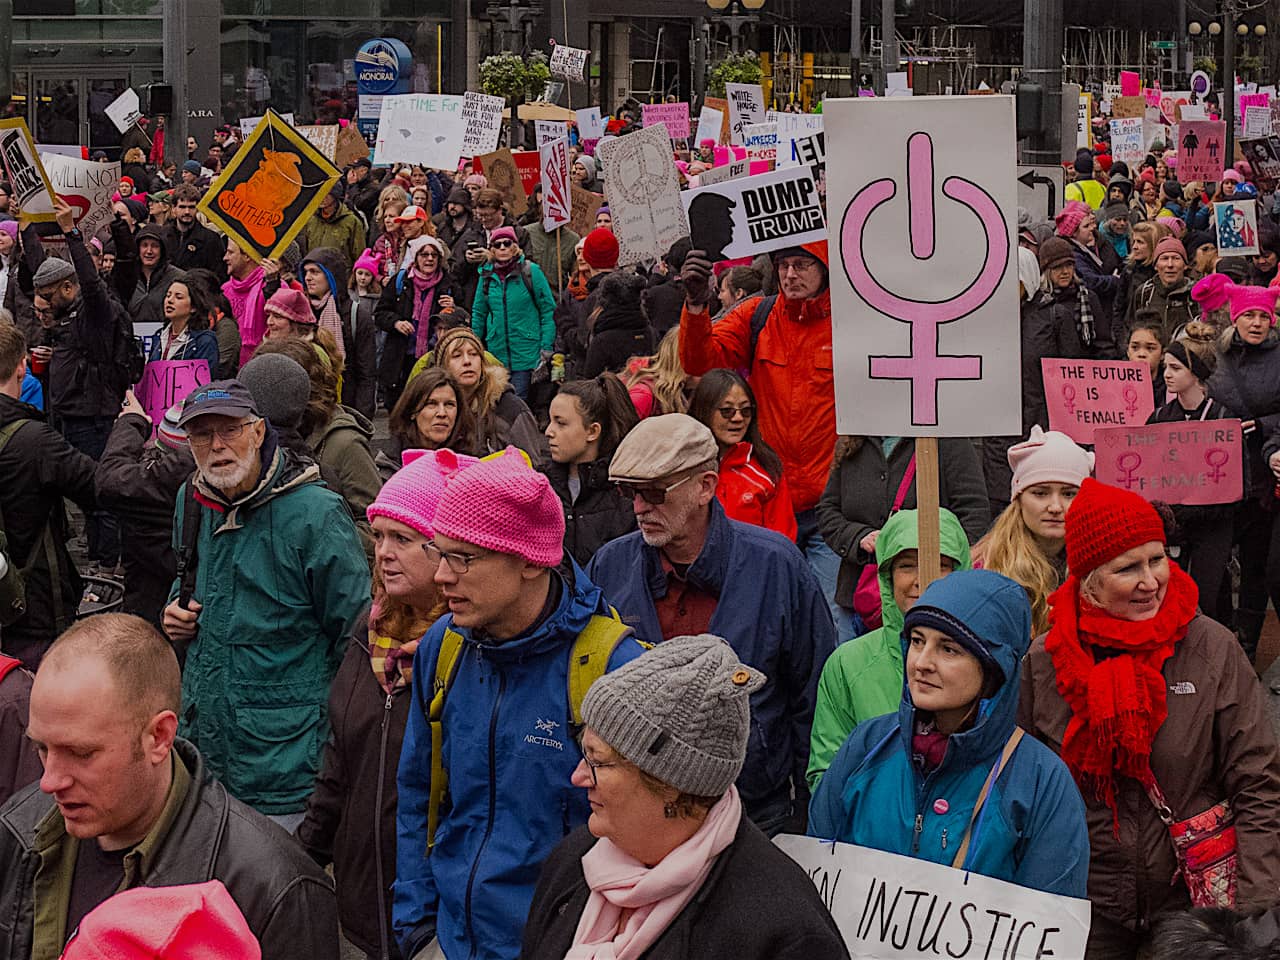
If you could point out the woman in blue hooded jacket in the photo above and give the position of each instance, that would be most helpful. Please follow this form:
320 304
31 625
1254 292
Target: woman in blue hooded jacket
910 783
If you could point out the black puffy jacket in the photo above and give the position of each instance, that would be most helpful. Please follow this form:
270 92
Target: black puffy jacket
1051 328
621 330
600 513
1247 381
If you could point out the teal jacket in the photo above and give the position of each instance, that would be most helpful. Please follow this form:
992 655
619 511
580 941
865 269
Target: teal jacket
515 324
282 578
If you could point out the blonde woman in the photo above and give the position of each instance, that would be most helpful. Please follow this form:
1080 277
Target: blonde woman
389 243
658 384
1027 543
1139 267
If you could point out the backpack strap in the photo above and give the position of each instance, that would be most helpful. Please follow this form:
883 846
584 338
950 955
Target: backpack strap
446 666
1001 762
187 558
589 660
759 317
526 274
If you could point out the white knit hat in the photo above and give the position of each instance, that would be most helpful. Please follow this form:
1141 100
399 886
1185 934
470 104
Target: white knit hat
1048 457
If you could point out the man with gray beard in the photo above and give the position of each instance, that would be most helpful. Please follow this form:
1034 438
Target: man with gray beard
689 570
271 578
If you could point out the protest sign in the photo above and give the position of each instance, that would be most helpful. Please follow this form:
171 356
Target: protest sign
1237 223
746 216
720 106
1263 155
1126 140
746 105
482 115
1201 150
568 62
1191 111
1083 395
793 127
165 382
1130 83
1193 462
351 146
423 128
547 131
585 206
890 907
529 166
124 111
1122 107
1111 90
643 194
557 204
922 331
761 141
25 172
1257 121
674 115
86 185
269 189
1153 133
499 168
250 124
323 138
590 123
1084 120
726 171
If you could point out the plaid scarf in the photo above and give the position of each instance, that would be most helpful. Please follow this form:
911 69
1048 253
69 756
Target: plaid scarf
328 319
1084 322
392 666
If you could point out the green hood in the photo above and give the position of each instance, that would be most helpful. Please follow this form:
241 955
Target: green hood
901 533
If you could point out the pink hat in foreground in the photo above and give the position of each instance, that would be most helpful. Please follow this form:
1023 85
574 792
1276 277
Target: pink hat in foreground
292 305
1246 298
412 495
1048 457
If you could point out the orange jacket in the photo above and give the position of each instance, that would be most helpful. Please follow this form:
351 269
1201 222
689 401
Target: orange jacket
749 495
790 373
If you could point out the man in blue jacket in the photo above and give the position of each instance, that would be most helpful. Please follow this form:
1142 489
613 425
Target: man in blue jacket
503 673
689 570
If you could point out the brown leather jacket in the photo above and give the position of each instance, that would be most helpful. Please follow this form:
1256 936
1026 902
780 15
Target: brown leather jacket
1216 744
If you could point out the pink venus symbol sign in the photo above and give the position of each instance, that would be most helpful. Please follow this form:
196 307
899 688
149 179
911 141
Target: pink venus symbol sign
1128 464
1069 395
1216 459
923 366
1131 400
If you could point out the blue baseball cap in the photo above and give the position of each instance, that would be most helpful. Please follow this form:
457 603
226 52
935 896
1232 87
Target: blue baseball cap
229 398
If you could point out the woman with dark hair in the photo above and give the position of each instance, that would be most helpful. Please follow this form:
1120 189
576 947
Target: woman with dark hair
751 487
431 414
222 321
589 418
186 334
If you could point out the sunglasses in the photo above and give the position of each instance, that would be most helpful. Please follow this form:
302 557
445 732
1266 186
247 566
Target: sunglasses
501 244
654 496
728 413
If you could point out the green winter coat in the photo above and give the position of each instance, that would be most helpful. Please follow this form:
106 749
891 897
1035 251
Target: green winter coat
514 326
863 678
282 578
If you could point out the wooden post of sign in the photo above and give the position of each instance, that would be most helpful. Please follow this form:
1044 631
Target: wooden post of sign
559 265
927 510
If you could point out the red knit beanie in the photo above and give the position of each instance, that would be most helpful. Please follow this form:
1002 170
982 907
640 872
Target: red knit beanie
1103 522
600 249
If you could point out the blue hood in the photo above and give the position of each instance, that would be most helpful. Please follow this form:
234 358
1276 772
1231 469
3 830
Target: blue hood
997 613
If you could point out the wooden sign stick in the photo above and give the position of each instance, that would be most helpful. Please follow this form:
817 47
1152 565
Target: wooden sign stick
927 510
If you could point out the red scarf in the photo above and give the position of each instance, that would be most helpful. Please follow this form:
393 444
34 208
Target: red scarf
1118 702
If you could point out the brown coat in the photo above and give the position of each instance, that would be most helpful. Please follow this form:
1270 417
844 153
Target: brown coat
1216 744
19 763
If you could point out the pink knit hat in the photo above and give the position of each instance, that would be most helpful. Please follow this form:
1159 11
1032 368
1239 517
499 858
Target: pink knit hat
1072 215
1211 291
1232 174
368 261
503 504
1050 457
1246 298
412 495
292 305
1171 245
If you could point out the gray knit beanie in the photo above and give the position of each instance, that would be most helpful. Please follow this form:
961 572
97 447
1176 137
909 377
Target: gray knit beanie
680 712
53 270
280 388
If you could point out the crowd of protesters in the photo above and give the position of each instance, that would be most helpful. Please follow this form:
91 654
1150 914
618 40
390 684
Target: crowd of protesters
540 674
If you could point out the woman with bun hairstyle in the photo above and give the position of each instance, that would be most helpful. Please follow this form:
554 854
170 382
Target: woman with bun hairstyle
1157 714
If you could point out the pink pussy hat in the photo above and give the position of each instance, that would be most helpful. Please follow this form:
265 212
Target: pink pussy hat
413 494
1048 457
1246 298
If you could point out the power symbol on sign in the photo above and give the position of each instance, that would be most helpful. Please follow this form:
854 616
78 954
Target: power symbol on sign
923 366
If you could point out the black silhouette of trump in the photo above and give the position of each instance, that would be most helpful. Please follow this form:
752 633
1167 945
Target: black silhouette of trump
711 224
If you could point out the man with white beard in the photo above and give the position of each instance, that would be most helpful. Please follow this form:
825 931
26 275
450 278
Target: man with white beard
271 579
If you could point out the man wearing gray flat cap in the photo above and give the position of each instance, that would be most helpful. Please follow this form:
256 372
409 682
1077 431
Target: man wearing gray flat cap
690 570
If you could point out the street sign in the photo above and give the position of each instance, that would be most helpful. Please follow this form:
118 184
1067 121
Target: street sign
1164 44
1040 191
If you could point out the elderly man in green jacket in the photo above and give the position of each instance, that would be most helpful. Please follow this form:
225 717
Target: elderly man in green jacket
266 600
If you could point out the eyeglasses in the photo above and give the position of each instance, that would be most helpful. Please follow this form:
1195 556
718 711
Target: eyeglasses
797 265
747 411
458 562
594 765
654 496
501 244
228 433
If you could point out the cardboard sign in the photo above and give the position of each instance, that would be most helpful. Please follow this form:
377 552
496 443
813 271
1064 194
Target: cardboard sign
590 123
25 172
675 116
504 176
1126 140
124 111
323 137
1201 150
1083 395
585 206
643 194
270 189
746 105
1263 155
761 141
423 128
86 185
568 62
250 124
547 131
890 907
1257 121
1196 462
557 205
1237 223
743 217
165 382
482 115
727 171
351 146
1084 121
720 106
1128 106
924 288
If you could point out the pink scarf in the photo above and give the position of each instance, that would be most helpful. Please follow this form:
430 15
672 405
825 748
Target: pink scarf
654 895
424 298
249 307
328 319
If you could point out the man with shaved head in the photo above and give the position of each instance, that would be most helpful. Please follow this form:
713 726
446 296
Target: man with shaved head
124 803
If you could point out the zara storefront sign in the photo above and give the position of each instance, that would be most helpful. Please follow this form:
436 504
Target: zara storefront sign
383 66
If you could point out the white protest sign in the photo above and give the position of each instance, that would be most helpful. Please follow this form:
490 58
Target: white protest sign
86 185
1237 223
710 122
323 137
568 62
27 177
1126 140
896 85
423 128
643 194
750 215
483 117
726 171
557 202
249 124
548 130
761 141
1257 121
890 907
924 292
746 105
793 127
124 111
1193 111
590 123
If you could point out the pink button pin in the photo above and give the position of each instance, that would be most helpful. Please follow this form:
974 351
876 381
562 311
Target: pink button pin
941 806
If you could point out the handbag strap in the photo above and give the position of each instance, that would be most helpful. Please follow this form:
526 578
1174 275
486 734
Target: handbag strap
1010 745
907 477
1156 796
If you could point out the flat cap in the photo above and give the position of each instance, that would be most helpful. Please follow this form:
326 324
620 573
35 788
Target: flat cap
663 446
